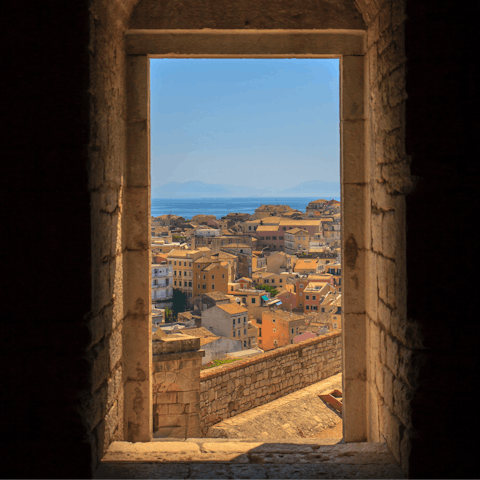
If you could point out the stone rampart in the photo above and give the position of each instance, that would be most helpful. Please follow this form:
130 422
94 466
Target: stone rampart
228 390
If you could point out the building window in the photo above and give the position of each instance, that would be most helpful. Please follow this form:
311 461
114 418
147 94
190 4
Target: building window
184 264
314 307
273 320
204 287
244 331
198 286
244 343
170 262
189 264
223 276
204 277
274 330
233 322
307 307
260 332
213 286
314 297
245 319
175 262
301 304
335 325
292 330
307 297
189 284
267 281
275 343
253 300
213 277
234 332
175 273
301 285
175 283
189 294
185 273
281 280
323 310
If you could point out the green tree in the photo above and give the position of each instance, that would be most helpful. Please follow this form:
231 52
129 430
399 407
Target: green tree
268 288
168 315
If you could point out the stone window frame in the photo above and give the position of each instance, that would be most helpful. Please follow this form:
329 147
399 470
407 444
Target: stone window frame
349 46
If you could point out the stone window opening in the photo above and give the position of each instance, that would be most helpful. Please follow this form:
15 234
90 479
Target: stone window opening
359 432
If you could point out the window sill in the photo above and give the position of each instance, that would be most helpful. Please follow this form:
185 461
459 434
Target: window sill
227 458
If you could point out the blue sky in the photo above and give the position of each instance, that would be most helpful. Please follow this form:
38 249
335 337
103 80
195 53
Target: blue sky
254 122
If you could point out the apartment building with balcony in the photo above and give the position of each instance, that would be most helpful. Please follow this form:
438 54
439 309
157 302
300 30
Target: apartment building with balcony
162 285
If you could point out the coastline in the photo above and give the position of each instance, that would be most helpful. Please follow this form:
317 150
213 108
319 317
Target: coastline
189 207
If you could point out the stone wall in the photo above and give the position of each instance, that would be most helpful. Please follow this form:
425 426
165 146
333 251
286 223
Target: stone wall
228 390
391 337
74 51
176 386
106 185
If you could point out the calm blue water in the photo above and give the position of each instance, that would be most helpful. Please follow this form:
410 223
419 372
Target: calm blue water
222 206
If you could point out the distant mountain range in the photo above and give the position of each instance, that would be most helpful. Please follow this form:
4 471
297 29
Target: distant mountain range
195 189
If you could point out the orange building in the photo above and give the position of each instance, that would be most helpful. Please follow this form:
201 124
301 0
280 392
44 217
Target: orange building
302 282
209 276
278 328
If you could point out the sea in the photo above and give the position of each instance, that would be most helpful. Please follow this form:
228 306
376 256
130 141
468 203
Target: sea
189 207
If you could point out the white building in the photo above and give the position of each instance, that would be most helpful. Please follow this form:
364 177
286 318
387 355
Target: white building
162 285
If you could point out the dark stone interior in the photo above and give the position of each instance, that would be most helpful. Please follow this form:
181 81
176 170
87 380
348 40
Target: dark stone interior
47 242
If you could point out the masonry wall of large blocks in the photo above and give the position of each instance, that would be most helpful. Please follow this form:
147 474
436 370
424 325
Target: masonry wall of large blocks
69 191
228 390
176 387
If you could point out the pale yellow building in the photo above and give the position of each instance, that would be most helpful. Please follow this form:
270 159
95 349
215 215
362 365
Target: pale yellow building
182 265
296 240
